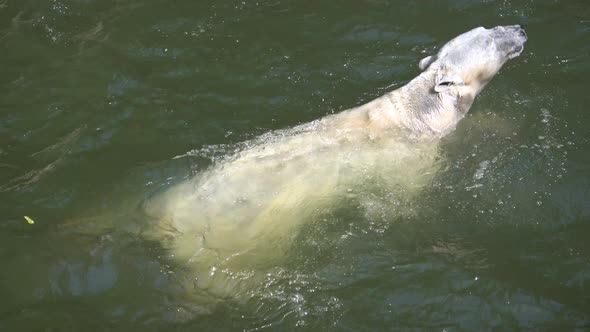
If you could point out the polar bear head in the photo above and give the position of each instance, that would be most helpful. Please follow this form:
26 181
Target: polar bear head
468 62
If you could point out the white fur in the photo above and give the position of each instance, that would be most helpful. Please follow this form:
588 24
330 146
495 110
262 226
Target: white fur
242 213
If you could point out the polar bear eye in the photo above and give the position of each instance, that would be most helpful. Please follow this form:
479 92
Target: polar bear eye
445 82
443 86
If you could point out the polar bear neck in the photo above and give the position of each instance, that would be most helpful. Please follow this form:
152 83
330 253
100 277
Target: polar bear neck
424 112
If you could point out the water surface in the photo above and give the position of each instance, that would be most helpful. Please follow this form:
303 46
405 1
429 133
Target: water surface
97 99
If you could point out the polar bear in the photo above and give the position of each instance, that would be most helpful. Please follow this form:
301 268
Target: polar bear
241 214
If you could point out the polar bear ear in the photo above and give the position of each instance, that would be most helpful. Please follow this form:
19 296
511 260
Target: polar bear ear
424 63
445 82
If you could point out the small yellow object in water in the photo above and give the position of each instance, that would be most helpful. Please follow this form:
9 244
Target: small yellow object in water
29 220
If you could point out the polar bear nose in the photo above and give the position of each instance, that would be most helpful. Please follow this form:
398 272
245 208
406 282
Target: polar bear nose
521 31
517 28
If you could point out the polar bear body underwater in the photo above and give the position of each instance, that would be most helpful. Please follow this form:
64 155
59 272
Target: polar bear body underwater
240 215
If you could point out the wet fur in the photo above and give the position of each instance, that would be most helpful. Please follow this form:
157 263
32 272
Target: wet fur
243 213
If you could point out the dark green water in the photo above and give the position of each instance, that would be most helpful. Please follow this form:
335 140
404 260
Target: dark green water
98 97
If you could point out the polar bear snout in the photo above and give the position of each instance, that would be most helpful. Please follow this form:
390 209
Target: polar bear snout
521 31
510 39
